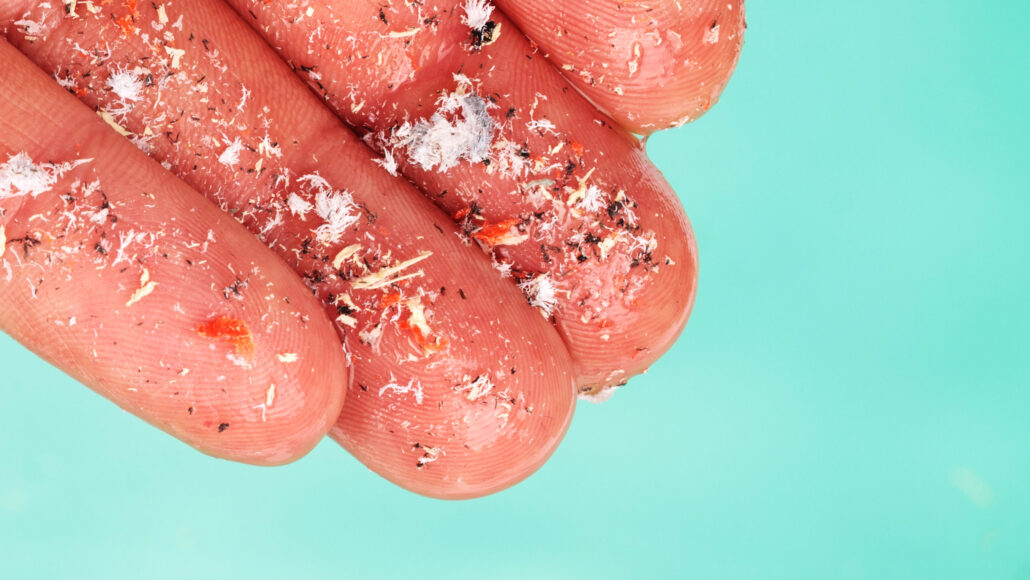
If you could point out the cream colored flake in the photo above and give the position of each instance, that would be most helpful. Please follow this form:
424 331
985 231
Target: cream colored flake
387 276
176 55
344 254
288 357
417 319
346 299
404 33
109 119
607 244
3 241
580 193
146 286
162 15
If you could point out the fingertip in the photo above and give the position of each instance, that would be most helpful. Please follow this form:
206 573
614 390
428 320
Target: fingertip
648 67
473 448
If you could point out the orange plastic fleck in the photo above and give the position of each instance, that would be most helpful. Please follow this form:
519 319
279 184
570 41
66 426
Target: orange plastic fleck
231 330
127 22
390 300
491 234
429 346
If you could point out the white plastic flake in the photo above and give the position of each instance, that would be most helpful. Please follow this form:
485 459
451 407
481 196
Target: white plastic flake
20 176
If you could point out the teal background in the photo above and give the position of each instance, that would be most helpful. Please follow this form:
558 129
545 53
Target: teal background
849 401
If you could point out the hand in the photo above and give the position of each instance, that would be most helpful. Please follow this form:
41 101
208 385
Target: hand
456 386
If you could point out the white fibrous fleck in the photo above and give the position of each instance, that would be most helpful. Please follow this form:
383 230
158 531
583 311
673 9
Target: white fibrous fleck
336 207
541 125
477 13
388 162
20 176
32 27
267 148
414 387
231 155
541 293
128 239
243 98
273 223
481 386
65 82
502 267
629 215
593 200
127 86
143 143
442 143
298 205
643 244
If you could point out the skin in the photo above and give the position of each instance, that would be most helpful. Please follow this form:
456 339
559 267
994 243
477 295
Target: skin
649 65
458 387
63 253
623 270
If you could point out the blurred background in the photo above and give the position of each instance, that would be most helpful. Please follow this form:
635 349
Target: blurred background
850 400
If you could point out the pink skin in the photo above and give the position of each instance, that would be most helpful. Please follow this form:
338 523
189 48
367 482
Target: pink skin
73 293
437 411
650 64
623 270
467 389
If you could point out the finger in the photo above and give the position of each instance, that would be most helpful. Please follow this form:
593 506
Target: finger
454 375
650 65
531 171
115 271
